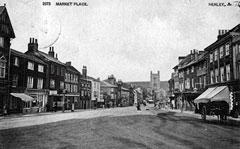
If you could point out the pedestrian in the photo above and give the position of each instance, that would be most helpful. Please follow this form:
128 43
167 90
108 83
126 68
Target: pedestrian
55 107
5 110
138 106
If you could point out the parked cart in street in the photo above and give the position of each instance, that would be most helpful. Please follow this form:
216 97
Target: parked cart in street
217 101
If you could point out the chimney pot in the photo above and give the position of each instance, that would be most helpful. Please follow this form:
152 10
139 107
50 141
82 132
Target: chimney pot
35 40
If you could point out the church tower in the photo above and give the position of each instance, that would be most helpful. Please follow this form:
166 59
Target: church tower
155 85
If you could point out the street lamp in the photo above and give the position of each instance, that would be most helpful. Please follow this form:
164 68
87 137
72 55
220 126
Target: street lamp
64 91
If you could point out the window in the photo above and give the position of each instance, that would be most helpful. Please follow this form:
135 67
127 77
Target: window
192 70
211 57
15 80
221 52
31 65
61 85
68 77
2 69
216 75
200 82
187 83
40 83
58 71
212 76
222 74
29 82
82 93
62 71
52 83
65 77
216 55
52 69
227 49
204 81
67 87
16 61
187 71
228 72
193 83
238 47
40 68
1 42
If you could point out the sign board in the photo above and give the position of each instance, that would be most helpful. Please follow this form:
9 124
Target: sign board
53 92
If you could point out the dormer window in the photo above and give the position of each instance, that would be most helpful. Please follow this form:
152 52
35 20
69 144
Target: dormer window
1 42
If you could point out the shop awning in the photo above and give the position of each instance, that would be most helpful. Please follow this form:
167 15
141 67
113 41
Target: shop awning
23 96
214 94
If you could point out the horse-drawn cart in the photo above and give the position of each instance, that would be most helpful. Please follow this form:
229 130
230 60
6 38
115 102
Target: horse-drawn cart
217 101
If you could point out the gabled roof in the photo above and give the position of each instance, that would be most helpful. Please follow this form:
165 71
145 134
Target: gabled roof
10 32
106 84
29 57
50 58
184 62
72 68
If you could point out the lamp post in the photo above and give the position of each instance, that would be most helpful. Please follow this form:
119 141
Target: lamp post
64 91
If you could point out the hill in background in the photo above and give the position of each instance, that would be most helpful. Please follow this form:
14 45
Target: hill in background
146 84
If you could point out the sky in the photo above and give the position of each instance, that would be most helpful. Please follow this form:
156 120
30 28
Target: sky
126 38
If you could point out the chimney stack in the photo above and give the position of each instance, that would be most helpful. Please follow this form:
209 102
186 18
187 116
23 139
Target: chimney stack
221 33
68 63
84 72
32 46
51 51
191 55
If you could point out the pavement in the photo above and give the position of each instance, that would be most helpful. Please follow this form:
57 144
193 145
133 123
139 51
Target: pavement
230 120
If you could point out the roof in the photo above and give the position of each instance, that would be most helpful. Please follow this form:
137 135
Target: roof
236 38
30 57
106 84
230 33
1 9
50 58
91 78
72 68
7 22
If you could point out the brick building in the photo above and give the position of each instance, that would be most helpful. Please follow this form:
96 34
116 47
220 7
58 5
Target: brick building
55 74
72 94
85 90
28 88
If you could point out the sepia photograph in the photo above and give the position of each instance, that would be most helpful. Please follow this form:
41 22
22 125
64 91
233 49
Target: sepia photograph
113 74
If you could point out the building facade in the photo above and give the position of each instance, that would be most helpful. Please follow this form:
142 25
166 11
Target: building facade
55 74
6 34
85 90
72 89
95 92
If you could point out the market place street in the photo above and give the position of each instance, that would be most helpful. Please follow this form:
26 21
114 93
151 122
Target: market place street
116 128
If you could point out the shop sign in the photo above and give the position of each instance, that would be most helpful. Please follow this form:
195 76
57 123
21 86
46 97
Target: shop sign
53 92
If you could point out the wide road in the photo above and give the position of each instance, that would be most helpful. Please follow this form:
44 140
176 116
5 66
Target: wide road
117 128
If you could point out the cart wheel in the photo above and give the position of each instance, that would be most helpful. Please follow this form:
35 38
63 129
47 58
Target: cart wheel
203 113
